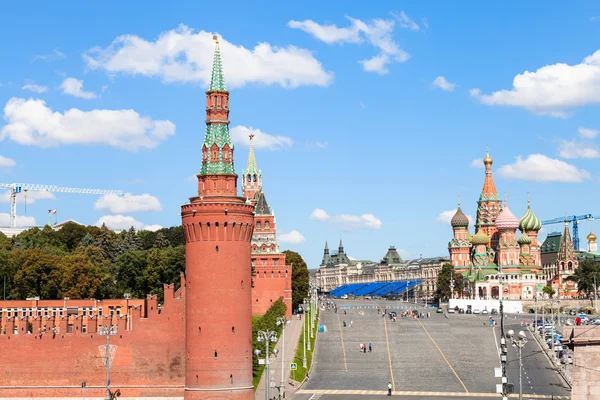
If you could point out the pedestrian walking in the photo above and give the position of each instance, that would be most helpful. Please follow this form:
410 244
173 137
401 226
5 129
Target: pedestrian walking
370 347
389 388
365 349
361 346
351 323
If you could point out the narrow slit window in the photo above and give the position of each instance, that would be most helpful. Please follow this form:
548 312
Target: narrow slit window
215 354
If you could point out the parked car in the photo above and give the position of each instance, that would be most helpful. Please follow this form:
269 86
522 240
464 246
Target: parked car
484 311
469 311
461 310
476 311
494 311
344 297
450 310
439 310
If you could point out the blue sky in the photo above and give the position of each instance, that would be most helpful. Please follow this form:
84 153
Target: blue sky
367 119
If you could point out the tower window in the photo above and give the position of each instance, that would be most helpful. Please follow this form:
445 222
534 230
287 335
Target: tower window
233 330
266 224
254 178
217 249
258 226
215 354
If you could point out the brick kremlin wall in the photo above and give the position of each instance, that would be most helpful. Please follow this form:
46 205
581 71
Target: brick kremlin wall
149 360
269 285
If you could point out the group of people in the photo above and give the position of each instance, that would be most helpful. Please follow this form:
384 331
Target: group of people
363 347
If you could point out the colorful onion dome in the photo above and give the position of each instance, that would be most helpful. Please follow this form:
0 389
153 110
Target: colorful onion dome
591 237
506 219
524 239
480 238
459 220
529 222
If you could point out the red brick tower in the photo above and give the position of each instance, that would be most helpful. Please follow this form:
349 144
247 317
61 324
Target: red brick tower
218 228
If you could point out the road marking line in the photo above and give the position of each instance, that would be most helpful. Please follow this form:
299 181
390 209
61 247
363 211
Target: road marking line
387 342
445 359
436 394
343 346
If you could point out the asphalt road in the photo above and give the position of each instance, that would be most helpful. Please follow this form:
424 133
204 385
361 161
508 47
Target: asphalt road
443 353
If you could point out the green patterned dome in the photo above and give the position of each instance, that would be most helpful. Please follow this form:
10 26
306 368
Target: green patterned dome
524 239
459 220
529 222
480 238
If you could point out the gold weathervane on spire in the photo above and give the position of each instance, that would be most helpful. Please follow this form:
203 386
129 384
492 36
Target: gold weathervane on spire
459 200
216 39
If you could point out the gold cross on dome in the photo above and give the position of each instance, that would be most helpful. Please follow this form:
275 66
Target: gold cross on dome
251 136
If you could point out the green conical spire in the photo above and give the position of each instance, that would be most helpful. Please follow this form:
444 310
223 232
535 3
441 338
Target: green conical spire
251 168
217 82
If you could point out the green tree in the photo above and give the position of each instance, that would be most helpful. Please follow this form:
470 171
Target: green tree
147 238
131 269
95 255
71 235
5 242
36 238
443 282
81 279
174 235
38 274
163 266
548 290
88 240
300 283
161 241
107 241
584 276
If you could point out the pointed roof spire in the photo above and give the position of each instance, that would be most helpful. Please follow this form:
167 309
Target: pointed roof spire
341 246
326 246
489 191
251 167
217 82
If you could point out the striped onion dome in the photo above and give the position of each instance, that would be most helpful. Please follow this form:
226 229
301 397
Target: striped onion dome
480 238
506 219
524 239
529 222
459 220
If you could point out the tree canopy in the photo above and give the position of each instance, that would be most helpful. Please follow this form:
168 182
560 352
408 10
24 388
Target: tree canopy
90 262
443 284
584 276
299 277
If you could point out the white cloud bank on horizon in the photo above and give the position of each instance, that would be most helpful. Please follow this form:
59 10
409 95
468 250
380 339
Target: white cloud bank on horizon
123 222
21 220
347 222
31 122
128 203
185 55
293 237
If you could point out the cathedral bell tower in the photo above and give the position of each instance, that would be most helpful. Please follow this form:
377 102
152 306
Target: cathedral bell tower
218 227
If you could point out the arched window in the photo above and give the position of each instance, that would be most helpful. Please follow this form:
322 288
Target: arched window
254 178
258 226
249 178
570 265
214 101
266 224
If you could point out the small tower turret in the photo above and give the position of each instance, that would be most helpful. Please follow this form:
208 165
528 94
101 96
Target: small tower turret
251 176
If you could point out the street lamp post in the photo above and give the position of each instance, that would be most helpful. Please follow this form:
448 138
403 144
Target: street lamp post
107 331
451 287
502 336
266 336
519 342
595 294
284 323
308 335
304 364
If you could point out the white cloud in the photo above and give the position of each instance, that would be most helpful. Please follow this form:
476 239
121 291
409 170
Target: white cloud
261 141
540 168
378 33
446 216
347 222
74 87
32 196
577 149
477 163
21 220
128 203
121 222
35 88
587 133
182 55
6 162
442 83
55 55
317 145
406 22
293 237
553 89
31 122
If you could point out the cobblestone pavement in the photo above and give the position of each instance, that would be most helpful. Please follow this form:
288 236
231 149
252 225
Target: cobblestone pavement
443 353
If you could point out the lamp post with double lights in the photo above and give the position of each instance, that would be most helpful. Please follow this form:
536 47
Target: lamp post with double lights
284 323
451 285
107 331
518 342
266 336
308 310
304 364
